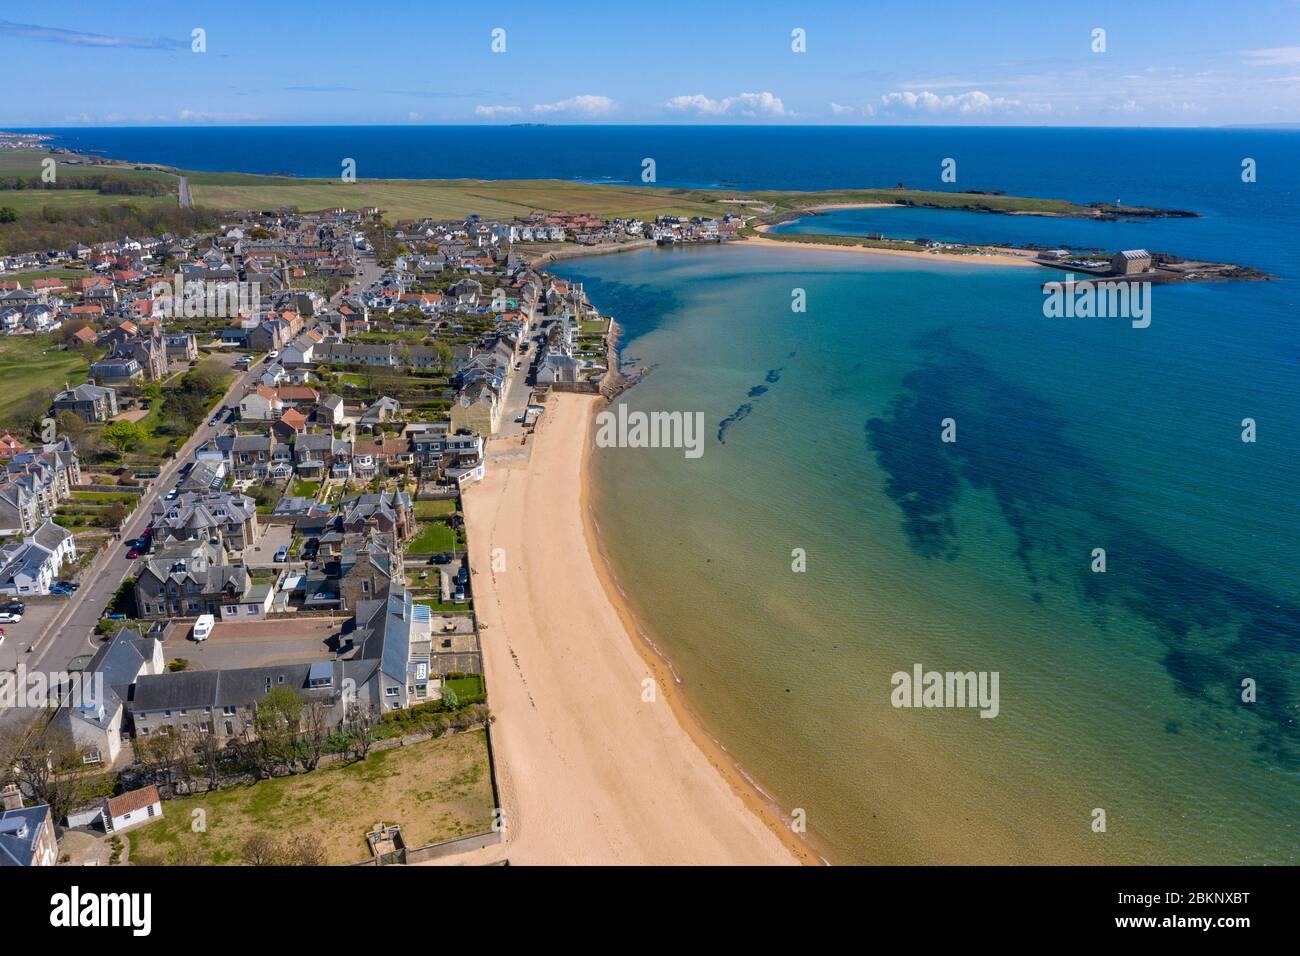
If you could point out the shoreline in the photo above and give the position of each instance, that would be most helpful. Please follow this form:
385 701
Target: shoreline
757 800
1001 258
590 770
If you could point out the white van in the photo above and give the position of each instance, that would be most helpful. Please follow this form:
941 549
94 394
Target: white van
203 627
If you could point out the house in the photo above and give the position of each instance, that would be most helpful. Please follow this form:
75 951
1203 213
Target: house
27 836
116 371
32 565
10 446
189 578
90 402
439 454
33 483
224 702
96 721
181 347
1130 262
123 812
249 455
205 476
330 411
388 512
260 405
227 517
312 453
479 407
385 409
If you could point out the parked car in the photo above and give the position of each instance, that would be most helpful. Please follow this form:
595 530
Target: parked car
462 576
7 618
70 585
282 554
62 588
459 596
2 635
443 558
14 607
133 553
172 495
214 421
272 355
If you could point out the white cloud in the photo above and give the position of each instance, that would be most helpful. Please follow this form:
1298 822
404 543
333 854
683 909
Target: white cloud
970 103
1273 56
491 112
202 116
839 109
586 104
742 104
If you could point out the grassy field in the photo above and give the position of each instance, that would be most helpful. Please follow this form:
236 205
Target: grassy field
438 508
445 198
31 365
435 536
435 790
23 162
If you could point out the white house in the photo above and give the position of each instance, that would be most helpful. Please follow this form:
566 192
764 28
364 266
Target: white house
32 565
261 405
123 812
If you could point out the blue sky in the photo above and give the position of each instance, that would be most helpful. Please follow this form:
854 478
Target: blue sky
1165 63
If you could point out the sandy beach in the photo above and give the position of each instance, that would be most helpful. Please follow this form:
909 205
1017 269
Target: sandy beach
1003 257
590 772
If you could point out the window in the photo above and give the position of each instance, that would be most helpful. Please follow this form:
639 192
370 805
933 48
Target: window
231 609
228 711
145 607
390 691
92 756
149 810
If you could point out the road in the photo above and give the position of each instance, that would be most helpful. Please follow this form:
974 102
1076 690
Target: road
71 632
184 193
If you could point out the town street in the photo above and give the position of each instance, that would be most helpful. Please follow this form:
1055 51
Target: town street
71 632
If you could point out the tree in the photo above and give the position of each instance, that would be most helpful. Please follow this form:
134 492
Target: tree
359 725
261 849
315 733
73 427
50 767
275 724
124 435
8 214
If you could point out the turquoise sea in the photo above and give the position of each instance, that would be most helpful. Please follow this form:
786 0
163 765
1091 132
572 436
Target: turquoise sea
1119 691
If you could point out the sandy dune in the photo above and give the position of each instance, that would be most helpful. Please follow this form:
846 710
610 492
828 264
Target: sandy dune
589 773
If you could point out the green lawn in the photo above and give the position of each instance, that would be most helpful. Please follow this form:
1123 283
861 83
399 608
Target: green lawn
434 536
305 489
438 508
469 689
435 790
33 366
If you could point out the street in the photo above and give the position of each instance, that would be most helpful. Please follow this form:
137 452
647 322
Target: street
71 631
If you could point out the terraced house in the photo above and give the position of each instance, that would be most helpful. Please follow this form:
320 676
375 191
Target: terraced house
33 483
186 579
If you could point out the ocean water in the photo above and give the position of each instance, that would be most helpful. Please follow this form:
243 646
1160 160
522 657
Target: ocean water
1119 692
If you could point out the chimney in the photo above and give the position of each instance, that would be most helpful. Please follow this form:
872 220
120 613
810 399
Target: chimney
12 799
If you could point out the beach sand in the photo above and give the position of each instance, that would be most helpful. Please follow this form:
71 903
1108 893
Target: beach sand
1003 257
589 772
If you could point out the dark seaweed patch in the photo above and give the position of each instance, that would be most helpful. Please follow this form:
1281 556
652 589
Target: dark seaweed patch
1216 629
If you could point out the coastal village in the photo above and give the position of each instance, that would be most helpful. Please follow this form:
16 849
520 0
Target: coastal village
255 494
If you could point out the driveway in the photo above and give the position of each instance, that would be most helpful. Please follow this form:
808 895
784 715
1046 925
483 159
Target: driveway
257 644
